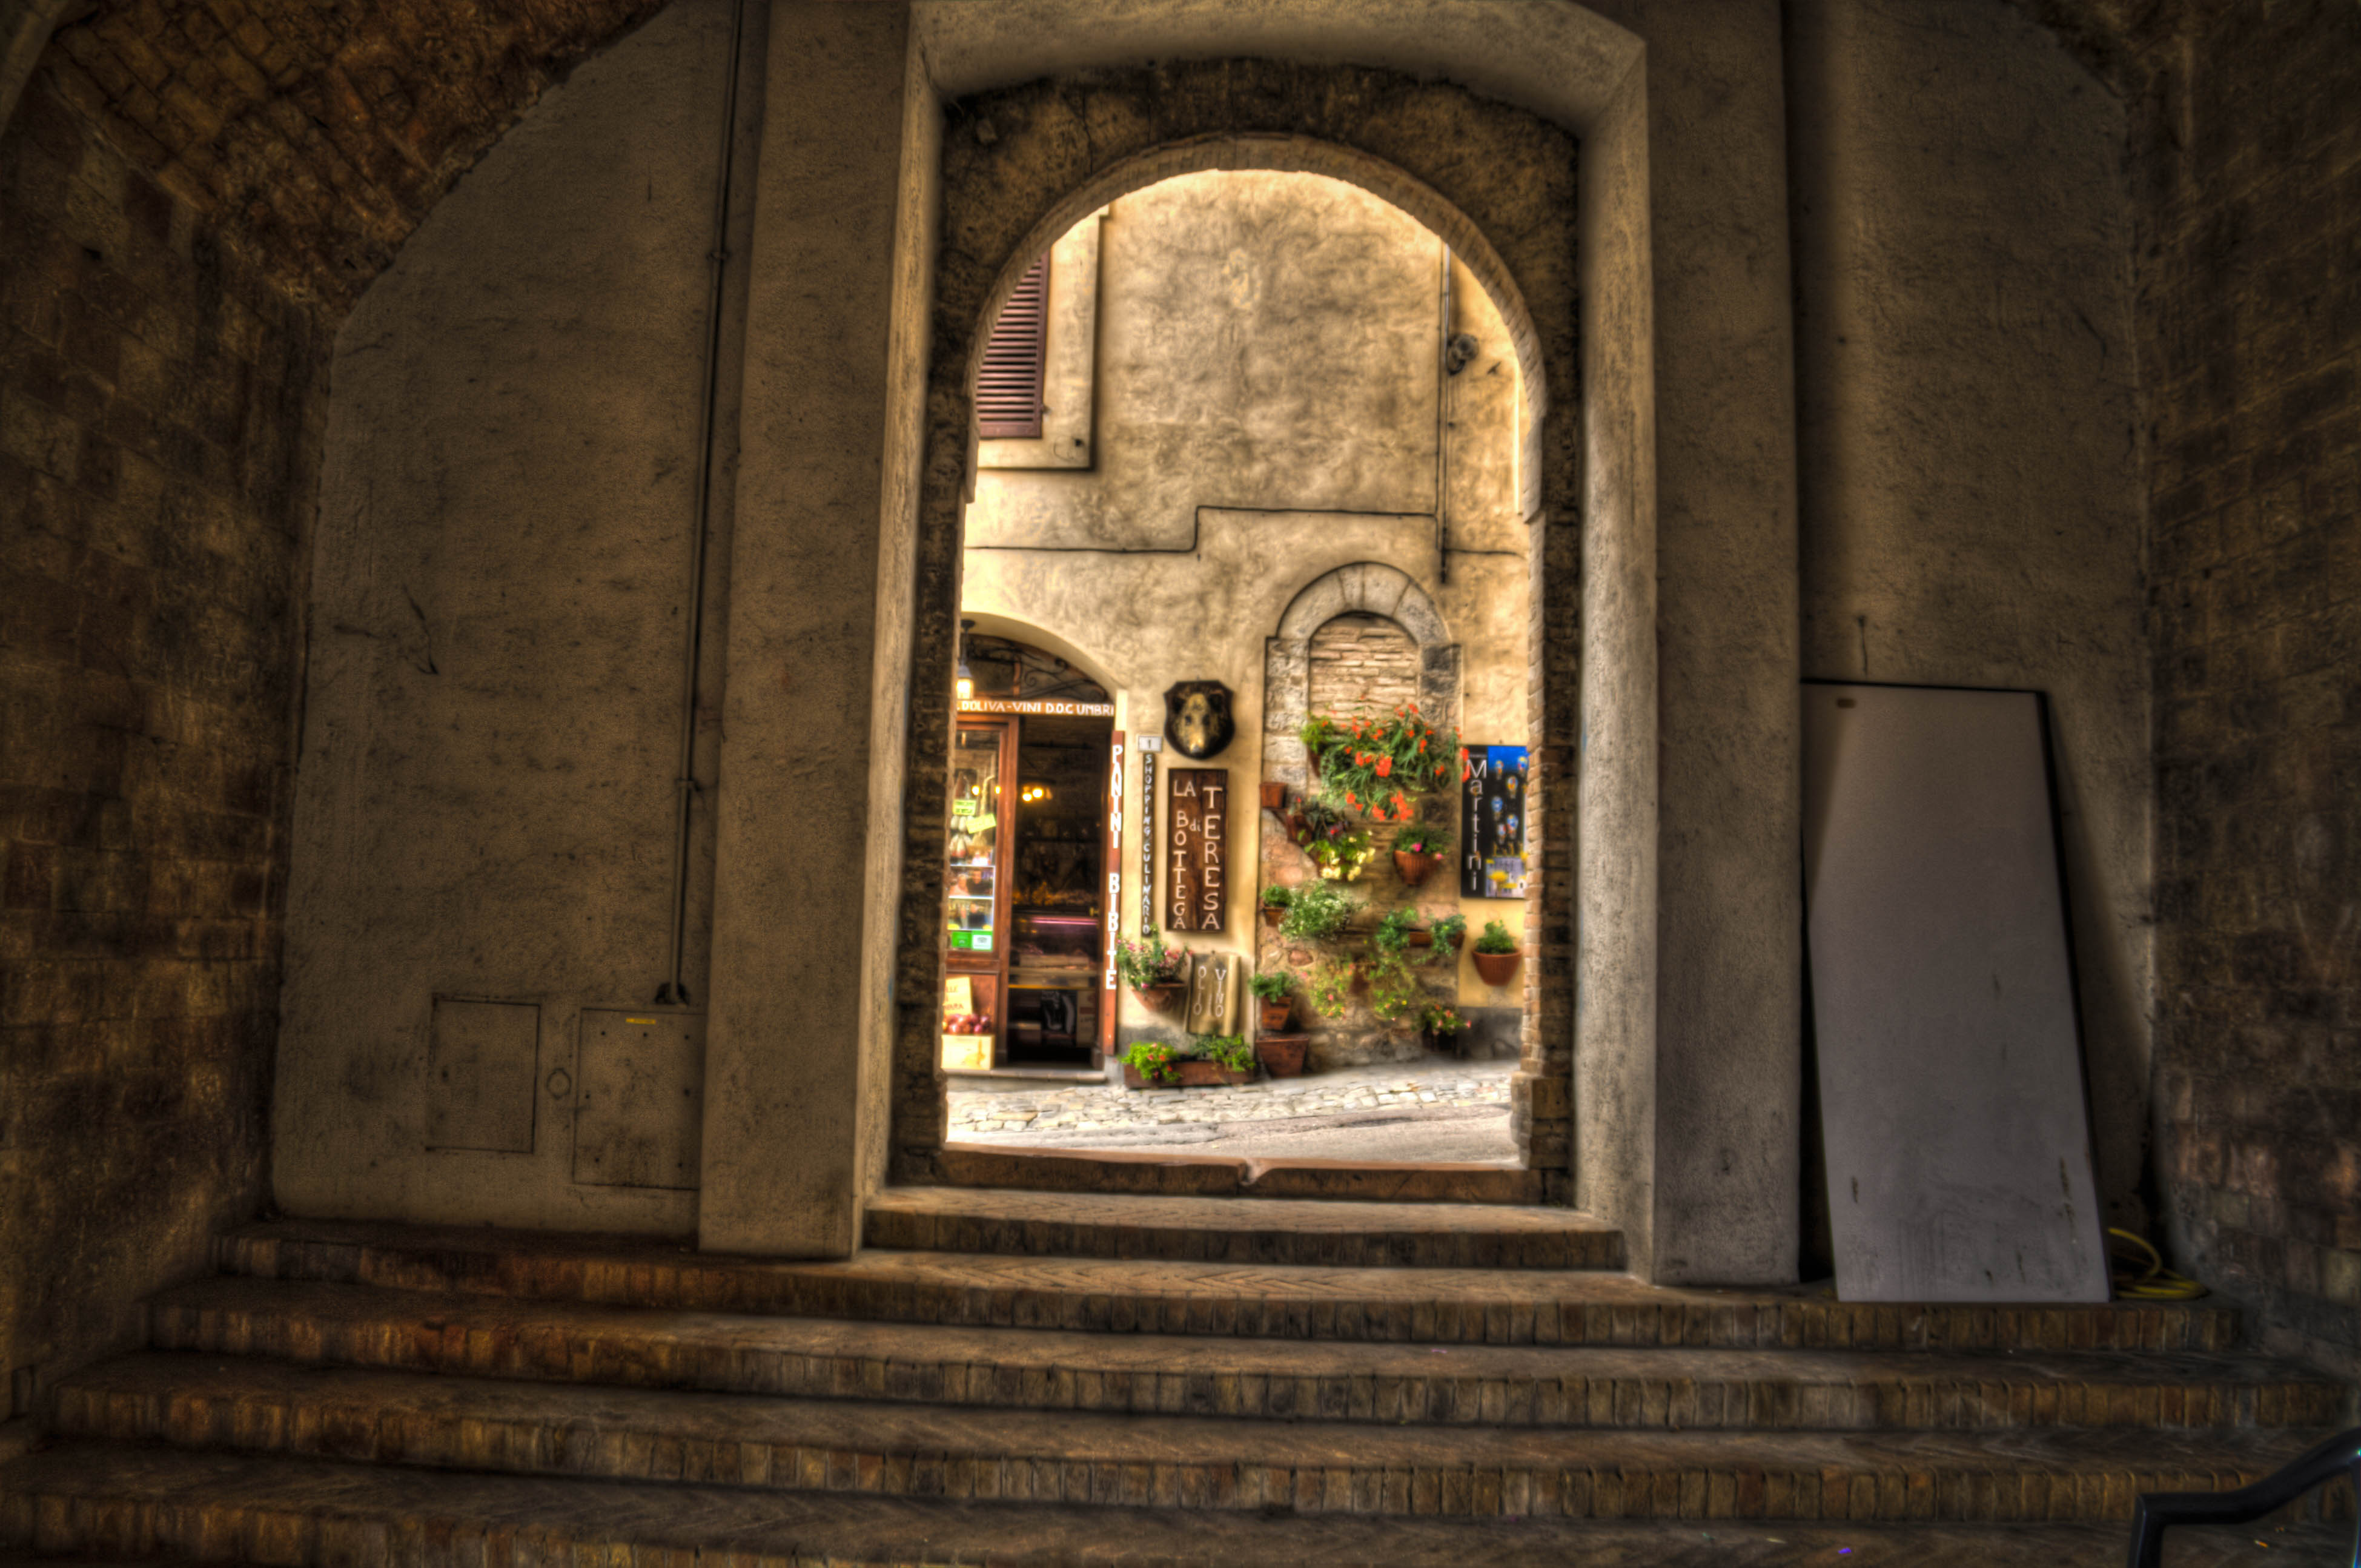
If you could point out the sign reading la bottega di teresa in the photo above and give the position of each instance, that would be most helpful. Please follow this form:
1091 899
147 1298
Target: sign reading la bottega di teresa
1196 896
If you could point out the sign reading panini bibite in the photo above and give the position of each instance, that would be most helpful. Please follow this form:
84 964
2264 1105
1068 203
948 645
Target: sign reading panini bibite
1197 850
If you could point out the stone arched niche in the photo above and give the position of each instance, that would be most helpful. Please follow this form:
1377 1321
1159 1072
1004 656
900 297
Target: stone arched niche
1365 588
1376 605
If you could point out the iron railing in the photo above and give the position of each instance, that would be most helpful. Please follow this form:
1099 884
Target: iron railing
2340 1456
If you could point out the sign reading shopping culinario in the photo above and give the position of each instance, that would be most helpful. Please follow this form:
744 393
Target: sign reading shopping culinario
1197 850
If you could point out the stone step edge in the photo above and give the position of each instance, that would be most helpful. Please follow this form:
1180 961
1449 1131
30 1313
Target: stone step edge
1175 1463
1173 1173
364 1326
308 1514
888 1291
1220 1230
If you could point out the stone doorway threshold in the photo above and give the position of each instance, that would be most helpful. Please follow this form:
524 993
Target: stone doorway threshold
1435 1129
1176 1174
995 1077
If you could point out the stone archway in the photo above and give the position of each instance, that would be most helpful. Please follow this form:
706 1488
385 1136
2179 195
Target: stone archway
1499 183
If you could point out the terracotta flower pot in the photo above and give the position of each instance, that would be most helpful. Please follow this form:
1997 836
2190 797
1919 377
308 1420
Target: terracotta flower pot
1161 998
1282 1055
1194 1073
1413 868
1274 796
1274 1014
1272 914
1498 968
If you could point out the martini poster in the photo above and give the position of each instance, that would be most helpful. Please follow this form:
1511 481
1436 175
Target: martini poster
1492 823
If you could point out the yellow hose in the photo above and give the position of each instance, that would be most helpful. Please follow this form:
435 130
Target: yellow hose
2158 1283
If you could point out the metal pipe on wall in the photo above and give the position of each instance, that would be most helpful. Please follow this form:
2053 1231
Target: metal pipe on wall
674 990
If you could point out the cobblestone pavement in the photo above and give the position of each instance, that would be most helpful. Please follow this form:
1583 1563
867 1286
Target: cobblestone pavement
1436 1088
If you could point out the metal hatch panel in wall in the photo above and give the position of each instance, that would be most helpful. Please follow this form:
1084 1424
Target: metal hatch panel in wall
639 1118
1958 1151
481 1058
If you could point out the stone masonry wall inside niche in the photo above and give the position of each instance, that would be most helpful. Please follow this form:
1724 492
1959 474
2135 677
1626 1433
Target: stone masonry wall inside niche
2250 317
1359 658
161 406
1362 662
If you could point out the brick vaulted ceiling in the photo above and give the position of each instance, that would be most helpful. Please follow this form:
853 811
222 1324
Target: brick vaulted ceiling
318 133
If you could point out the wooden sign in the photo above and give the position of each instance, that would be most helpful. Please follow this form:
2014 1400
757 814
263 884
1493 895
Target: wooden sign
1197 851
1021 705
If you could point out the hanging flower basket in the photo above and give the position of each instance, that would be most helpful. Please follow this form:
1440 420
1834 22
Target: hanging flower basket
1498 968
1161 998
1378 768
1414 869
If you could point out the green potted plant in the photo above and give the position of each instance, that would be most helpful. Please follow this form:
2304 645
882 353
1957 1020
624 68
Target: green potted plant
1378 767
1275 901
1151 970
1394 991
1418 850
1319 912
1496 954
1448 932
1332 986
1280 1053
1338 846
1442 1026
1228 1058
1275 989
1146 1062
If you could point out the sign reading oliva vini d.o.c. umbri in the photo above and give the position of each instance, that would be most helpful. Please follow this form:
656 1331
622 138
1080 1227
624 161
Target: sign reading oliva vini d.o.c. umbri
1197 853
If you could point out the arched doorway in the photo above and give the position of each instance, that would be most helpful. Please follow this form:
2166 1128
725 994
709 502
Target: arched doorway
1010 193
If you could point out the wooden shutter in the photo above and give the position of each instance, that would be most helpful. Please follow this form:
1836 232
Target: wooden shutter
1008 387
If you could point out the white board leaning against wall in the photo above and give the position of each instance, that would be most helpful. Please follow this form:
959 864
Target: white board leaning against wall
1958 1151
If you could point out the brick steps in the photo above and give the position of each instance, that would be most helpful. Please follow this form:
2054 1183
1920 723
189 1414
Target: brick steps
1439 1305
481 1336
361 1395
1167 1462
83 1500
1216 1230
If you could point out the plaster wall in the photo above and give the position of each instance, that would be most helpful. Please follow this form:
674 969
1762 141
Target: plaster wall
485 800
1705 1138
1266 394
1971 462
821 572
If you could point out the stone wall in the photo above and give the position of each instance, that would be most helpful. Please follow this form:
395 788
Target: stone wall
160 408
488 803
1362 661
1363 639
2250 314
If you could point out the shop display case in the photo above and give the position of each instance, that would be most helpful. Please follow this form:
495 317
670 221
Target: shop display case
1023 922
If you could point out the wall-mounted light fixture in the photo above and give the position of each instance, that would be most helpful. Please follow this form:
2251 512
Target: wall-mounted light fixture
966 675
